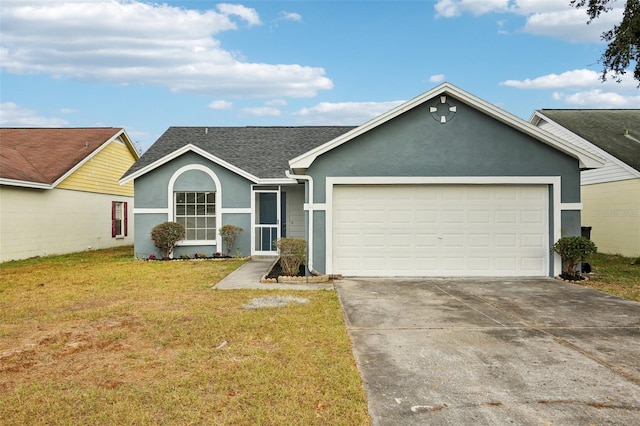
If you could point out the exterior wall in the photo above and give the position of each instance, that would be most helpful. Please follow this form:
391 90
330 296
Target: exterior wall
44 222
471 145
153 205
613 211
295 211
101 172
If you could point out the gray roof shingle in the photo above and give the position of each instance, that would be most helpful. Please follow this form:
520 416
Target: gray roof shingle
605 128
261 151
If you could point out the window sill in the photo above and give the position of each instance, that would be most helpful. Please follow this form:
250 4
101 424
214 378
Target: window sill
197 243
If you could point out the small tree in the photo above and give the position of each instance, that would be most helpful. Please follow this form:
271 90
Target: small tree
573 250
229 234
293 253
165 236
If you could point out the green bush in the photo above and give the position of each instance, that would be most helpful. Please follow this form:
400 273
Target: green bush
229 234
165 236
574 250
293 253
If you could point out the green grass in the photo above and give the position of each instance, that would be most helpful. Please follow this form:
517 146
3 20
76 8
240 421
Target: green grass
98 338
617 275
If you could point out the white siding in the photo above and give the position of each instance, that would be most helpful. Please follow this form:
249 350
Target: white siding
44 222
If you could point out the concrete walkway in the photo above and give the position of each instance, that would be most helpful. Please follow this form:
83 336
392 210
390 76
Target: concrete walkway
248 276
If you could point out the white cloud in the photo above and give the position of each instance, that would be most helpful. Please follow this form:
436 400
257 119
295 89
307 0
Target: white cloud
290 16
436 78
248 14
451 8
262 111
583 88
221 104
67 111
13 115
344 113
598 99
276 102
571 25
574 78
553 18
130 42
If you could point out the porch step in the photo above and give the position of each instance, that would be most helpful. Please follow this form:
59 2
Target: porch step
264 258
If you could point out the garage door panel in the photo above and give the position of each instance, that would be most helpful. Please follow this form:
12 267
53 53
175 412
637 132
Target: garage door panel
439 230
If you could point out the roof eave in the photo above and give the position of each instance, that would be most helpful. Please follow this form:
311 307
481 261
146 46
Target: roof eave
184 150
25 184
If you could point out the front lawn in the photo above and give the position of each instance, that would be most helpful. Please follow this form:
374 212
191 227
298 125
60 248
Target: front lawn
615 275
99 338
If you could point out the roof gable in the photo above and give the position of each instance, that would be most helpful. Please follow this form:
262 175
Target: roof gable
614 131
256 153
43 157
586 159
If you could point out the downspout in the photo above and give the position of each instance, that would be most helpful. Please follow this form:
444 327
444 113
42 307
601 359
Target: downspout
310 210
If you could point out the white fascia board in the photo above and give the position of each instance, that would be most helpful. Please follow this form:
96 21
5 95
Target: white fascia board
25 184
276 181
89 157
601 153
127 141
184 150
587 160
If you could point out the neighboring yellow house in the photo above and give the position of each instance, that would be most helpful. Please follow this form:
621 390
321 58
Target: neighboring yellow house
611 194
59 190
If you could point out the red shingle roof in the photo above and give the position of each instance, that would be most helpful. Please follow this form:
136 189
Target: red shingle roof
43 155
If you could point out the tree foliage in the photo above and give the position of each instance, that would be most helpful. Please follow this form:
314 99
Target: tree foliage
229 233
574 250
623 39
165 236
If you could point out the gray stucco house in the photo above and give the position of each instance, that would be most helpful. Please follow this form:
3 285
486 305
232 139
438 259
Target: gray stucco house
445 184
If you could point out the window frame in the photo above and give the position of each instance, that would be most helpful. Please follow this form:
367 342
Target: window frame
194 212
119 213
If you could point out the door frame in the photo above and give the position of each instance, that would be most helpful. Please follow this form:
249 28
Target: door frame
255 219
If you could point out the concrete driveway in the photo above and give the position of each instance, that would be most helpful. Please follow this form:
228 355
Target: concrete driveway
494 352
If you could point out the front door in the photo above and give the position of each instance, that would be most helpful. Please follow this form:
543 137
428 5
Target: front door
266 223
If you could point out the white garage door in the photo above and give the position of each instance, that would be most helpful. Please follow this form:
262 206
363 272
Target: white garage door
440 230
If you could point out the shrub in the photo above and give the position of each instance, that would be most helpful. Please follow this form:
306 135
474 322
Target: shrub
293 253
573 250
165 236
229 234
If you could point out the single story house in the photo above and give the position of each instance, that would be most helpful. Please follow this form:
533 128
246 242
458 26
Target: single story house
445 184
611 194
59 190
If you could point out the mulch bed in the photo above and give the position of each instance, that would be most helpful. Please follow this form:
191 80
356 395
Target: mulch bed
276 271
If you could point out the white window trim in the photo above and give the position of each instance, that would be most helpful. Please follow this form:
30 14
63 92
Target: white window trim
218 197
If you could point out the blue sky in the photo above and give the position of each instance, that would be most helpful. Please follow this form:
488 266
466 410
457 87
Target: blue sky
147 65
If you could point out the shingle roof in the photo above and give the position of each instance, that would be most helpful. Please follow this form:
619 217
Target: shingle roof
261 151
43 155
605 128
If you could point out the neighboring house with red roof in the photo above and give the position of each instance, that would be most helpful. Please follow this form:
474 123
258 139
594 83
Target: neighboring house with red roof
59 190
611 194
